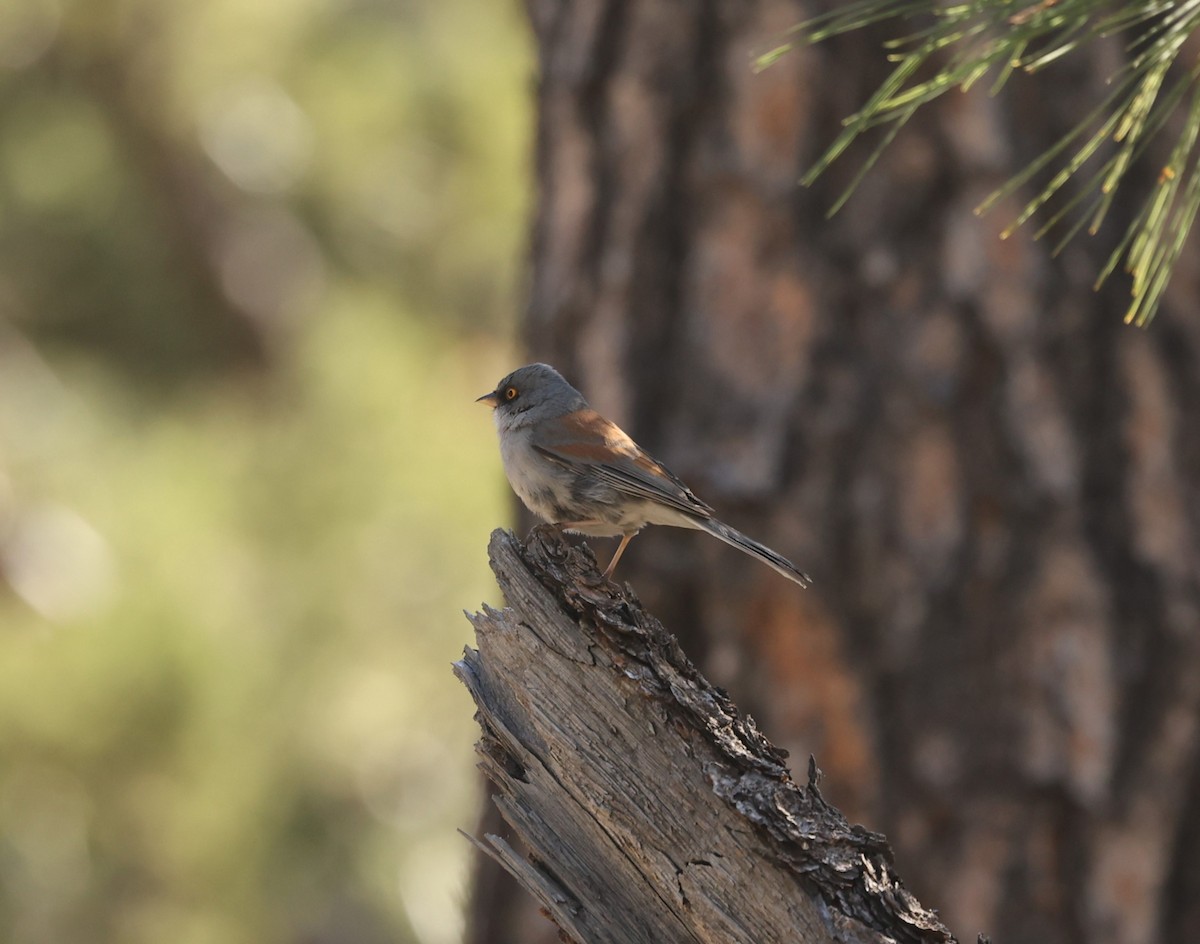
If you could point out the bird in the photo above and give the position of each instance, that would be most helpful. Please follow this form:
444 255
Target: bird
582 473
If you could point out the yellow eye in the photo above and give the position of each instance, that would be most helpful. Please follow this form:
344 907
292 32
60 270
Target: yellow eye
510 393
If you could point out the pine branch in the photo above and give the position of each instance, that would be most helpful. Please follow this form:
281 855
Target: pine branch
954 46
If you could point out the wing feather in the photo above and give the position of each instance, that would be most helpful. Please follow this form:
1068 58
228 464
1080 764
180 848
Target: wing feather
586 442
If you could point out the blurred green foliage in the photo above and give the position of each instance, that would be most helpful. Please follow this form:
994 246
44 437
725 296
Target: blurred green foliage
256 260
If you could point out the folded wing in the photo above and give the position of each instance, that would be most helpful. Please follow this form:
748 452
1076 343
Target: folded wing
586 442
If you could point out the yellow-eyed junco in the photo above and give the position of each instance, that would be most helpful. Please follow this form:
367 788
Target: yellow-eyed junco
575 469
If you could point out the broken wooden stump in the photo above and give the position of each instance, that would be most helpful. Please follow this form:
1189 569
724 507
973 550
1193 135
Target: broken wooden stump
653 811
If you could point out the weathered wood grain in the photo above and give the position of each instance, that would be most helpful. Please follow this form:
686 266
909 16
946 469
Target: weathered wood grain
653 810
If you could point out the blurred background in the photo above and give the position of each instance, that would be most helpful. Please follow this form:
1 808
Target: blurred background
256 261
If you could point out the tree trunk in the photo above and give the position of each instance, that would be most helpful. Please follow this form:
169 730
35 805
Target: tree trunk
995 484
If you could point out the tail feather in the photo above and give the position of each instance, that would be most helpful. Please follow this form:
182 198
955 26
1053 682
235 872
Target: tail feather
718 529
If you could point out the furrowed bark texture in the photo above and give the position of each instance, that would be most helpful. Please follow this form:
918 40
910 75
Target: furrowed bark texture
653 811
995 484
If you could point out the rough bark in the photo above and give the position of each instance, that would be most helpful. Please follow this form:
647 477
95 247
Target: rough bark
653 810
994 482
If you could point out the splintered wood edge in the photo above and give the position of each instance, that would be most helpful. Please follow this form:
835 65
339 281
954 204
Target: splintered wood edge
570 614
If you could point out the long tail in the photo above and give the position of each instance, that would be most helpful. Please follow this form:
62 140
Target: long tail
718 529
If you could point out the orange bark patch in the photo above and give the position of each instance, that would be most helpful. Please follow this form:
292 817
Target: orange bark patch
816 698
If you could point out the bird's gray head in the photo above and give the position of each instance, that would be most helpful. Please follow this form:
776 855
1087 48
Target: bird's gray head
532 393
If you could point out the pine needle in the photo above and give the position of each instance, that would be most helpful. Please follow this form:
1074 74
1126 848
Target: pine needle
956 46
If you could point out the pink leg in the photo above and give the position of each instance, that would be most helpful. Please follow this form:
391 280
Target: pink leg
612 564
